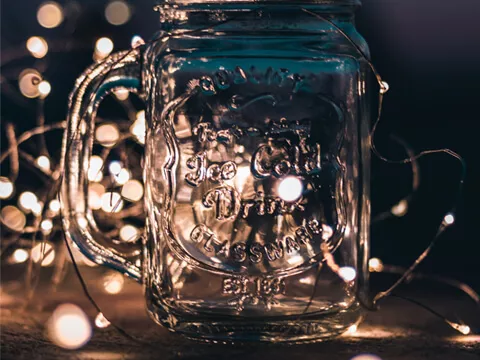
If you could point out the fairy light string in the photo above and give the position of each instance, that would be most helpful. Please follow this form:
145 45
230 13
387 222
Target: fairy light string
54 177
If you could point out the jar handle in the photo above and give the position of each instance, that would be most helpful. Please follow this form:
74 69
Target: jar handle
120 70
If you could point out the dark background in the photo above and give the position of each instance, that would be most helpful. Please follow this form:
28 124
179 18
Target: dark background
429 53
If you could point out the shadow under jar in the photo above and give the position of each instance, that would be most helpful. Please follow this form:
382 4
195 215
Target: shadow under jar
256 170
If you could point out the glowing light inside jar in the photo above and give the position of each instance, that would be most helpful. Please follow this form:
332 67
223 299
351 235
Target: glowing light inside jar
37 46
347 273
50 15
112 202
113 283
107 134
69 327
20 256
138 128
46 226
27 201
290 188
122 177
54 206
6 188
13 218
115 167
117 12
28 83
95 192
132 190
129 233
121 94
43 163
43 252
95 169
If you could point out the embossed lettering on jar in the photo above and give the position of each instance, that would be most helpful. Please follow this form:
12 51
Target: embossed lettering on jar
256 170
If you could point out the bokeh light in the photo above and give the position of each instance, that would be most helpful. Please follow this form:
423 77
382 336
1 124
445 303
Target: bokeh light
132 190
50 14
13 218
290 188
117 12
69 327
6 188
103 48
347 273
28 81
43 252
375 265
138 128
101 321
44 89
107 134
27 201
43 162
37 46
20 256
113 282
95 192
112 202
129 233
95 169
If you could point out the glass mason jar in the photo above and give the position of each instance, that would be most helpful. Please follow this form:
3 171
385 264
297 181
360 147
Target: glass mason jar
256 169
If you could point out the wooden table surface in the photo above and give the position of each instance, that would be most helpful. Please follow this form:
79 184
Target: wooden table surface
399 330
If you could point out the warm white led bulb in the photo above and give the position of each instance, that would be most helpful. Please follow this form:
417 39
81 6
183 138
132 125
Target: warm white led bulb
449 219
290 188
54 206
101 321
400 209
375 265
